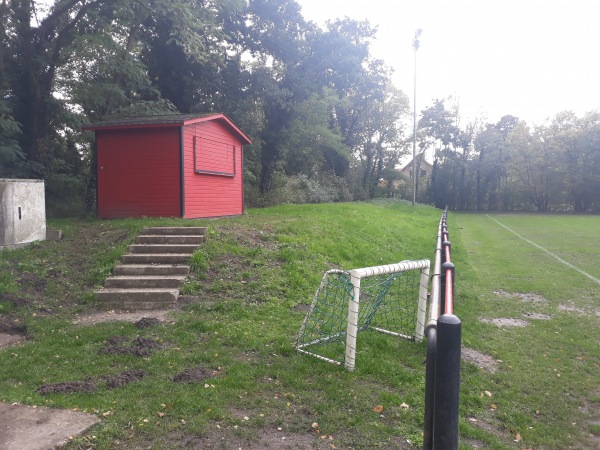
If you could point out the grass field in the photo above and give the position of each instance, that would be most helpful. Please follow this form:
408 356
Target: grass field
546 392
538 386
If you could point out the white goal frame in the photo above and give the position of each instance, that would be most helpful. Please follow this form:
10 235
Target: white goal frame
356 275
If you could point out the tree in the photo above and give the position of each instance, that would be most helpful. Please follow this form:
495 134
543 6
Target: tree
492 176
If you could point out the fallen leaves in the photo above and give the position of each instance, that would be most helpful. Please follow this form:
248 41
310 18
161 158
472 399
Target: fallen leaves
518 437
378 409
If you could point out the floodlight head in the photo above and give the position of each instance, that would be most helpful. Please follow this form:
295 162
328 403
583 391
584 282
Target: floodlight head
416 43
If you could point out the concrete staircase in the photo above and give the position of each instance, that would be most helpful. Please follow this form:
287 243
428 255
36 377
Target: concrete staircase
150 274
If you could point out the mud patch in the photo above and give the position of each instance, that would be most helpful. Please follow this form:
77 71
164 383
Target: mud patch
537 316
119 345
472 443
572 309
302 307
12 331
123 378
505 322
195 375
529 297
273 438
481 360
67 387
113 316
188 299
6 340
14 300
146 322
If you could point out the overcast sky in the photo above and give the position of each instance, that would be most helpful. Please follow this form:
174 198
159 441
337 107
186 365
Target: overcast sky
528 58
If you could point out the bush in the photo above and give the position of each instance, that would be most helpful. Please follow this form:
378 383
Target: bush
299 189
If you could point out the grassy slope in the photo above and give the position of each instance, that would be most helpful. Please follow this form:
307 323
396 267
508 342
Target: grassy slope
254 272
547 388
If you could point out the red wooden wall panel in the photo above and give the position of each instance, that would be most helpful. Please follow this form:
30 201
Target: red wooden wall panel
212 195
139 172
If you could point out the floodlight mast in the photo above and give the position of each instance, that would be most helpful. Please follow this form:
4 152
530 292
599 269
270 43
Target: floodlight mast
416 45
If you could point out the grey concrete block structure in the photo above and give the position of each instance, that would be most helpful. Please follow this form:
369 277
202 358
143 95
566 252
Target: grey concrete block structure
22 212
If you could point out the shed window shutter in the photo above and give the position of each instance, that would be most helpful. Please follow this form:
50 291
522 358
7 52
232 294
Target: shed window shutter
214 157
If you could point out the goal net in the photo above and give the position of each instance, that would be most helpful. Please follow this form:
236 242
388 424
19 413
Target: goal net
390 299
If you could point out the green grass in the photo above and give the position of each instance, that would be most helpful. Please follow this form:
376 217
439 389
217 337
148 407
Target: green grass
549 372
253 277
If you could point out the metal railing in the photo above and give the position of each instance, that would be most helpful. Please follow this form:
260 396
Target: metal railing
442 364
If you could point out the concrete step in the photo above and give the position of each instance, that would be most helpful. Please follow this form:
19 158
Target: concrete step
153 258
132 299
151 269
144 282
170 239
174 230
162 248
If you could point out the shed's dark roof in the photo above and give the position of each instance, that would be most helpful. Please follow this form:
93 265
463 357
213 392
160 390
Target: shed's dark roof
167 120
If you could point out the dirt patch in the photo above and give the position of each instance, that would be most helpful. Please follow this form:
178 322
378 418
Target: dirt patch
529 297
11 325
537 316
302 307
6 340
67 387
123 378
14 300
481 360
253 238
506 322
472 443
147 322
162 315
33 281
61 281
572 309
119 345
273 438
195 375
188 299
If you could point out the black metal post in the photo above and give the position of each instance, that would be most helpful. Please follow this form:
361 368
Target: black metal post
447 383
429 389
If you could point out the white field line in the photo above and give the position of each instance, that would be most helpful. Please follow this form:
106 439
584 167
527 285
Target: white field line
566 263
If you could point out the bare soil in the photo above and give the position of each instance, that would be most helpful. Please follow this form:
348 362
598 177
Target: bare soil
156 316
119 345
529 297
123 378
506 322
537 316
572 309
195 375
479 359
66 387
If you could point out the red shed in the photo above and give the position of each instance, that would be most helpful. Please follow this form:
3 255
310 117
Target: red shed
180 165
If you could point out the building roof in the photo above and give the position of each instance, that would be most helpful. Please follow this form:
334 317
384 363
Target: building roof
167 120
424 164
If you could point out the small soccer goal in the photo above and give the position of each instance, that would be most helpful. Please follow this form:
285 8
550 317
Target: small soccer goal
391 299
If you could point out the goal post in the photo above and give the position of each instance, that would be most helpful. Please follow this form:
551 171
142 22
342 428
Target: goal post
390 299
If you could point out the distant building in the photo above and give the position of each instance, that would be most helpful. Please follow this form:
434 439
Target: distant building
423 167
